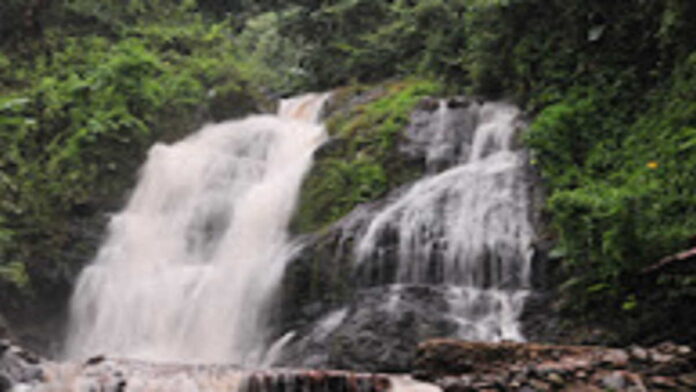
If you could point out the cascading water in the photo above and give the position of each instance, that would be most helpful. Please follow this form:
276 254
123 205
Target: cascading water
448 255
189 266
467 227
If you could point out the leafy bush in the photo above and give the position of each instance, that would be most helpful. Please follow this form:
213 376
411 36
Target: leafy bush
621 180
77 117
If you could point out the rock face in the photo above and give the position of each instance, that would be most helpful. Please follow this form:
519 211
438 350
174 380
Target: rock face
469 366
18 366
4 328
377 331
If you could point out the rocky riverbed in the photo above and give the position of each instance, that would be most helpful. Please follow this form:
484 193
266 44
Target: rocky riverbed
447 365
469 366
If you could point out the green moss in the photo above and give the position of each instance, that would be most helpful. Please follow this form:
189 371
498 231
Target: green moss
360 163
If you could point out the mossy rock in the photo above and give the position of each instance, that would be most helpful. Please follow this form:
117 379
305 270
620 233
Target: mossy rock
361 161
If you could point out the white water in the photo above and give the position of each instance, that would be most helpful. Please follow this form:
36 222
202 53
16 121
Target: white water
188 267
467 227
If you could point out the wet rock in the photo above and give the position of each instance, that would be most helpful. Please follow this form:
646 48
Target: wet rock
379 331
17 365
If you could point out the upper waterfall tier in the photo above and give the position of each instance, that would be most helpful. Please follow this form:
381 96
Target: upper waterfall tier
188 267
467 225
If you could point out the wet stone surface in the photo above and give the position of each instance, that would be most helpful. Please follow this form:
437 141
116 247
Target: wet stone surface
468 366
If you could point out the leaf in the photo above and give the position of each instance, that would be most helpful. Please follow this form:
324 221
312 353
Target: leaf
630 303
16 273
595 288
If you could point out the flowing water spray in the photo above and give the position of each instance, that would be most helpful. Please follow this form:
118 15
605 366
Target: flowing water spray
467 227
188 267
448 255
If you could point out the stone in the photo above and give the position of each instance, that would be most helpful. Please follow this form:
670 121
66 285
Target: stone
555 379
540 385
663 382
4 328
455 384
5 384
668 348
616 358
639 353
614 381
661 358
688 379
636 381
684 350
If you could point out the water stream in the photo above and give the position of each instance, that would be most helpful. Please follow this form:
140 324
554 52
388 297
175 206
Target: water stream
467 227
188 267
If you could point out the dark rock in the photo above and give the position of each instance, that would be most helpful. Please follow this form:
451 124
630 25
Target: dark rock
688 379
379 331
18 366
95 360
4 328
663 382
668 348
555 379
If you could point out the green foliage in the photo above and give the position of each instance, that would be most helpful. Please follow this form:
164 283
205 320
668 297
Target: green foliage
361 162
271 59
621 180
77 117
368 40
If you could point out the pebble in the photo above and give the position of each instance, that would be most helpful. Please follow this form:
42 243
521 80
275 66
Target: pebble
616 358
614 381
684 350
639 353
661 358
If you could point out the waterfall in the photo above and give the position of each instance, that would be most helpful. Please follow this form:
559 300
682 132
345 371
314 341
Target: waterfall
188 267
448 255
467 227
